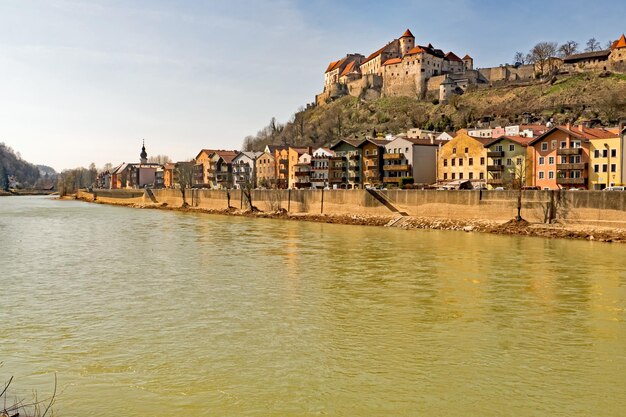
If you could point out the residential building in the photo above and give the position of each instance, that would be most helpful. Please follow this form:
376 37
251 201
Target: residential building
243 166
168 175
293 155
320 161
561 158
463 158
265 169
302 172
201 170
345 166
220 173
605 158
509 163
411 160
281 158
128 175
372 151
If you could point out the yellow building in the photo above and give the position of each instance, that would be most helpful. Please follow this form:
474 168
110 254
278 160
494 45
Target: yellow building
265 170
281 161
463 158
605 159
509 162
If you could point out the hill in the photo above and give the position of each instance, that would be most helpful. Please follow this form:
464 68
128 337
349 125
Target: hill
585 96
13 166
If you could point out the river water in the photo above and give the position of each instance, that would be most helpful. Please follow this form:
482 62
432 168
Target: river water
156 313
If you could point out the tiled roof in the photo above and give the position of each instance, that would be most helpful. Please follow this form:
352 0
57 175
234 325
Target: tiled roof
579 132
524 141
467 57
452 57
426 49
374 55
348 69
392 61
416 50
407 34
227 156
332 66
620 43
536 129
426 142
587 55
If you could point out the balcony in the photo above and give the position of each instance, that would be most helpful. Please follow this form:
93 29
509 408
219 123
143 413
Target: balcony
302 173
336 158
337 180
336 168
355 157
571 181
569 151
283 161
392 180
495 181
354 179
395 168
303 184
393 156
283 171
567 167
495 154
495 168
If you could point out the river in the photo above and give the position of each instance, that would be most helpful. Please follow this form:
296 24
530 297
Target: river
159 313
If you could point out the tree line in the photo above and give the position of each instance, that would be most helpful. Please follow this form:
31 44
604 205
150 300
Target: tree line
543 51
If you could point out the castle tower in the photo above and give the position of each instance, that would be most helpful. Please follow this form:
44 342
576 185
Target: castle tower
446 89
407 42
143 155
469 62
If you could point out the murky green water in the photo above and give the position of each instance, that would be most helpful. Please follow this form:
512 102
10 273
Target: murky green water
153 313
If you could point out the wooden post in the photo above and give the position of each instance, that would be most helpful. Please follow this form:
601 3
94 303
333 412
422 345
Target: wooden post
322 207
288 200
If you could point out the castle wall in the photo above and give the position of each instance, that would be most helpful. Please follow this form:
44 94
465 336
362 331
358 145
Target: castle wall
508 73
370 81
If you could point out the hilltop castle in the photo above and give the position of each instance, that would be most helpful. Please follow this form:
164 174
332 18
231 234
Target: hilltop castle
403 68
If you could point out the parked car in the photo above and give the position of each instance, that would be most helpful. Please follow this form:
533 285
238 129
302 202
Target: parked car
615 188
499 188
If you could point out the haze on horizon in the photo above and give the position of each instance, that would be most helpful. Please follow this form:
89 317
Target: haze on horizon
85 82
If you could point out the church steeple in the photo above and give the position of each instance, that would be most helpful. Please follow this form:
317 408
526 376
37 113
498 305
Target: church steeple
144 154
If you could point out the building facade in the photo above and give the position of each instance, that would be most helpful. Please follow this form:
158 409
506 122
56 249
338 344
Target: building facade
463 158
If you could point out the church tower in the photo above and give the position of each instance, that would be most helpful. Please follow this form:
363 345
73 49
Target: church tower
143 155
407 42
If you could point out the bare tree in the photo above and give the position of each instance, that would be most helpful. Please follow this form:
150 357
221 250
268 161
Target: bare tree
519 58
541 53
568 48
184 175
592 45
159 159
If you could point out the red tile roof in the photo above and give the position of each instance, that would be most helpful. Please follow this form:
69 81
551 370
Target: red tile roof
620 43
579 132
524 141
348 69
392 61
375 54
467 57
227 156
452 57
417 50
407 34
331 66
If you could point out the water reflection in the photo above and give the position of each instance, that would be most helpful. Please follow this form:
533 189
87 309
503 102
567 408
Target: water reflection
146 312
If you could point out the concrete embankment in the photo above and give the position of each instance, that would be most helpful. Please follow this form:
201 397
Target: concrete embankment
577 214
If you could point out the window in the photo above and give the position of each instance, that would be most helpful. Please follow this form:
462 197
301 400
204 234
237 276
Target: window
604 167
461 176
453 161
605 153
445 162
519 161
542 160
575 159
470 162
509 161
445 175
551 160
613 167
596 153
460 162
563 144
466 150
541 176
596 168
576 144
481 176
453 176
471 175
454 150
613 153
511 147
564 159
482 161
550 175
553 145
544 146
576 174
498 148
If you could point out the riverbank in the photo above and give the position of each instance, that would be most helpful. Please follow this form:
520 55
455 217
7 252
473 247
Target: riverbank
511 227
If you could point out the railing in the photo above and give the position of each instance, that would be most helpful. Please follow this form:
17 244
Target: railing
283 161
566 167
571 181
392 179
338 179
355 157
495 167
495 181
495 154
336 158
569 151
395 168
393 156
302 173
303 184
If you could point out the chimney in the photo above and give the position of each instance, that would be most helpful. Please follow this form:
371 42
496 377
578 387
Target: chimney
581 128
432 139
568 126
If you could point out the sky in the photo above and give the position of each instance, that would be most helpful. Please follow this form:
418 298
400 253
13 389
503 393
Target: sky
87 81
